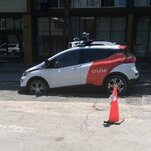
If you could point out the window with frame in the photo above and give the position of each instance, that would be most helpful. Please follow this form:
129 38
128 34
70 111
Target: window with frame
43 35
142 42
52 3
89 55
40 3
142 2
107 2
87 24
120 3
45 4
2 24
70 58
79 3
111 29
116 3
94 3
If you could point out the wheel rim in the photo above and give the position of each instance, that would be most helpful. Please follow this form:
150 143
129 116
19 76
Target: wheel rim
37 87
116 83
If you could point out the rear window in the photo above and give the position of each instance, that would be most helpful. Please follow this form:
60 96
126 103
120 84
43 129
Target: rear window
89 55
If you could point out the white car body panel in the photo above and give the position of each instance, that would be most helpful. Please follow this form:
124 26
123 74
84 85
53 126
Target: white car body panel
42 73
74 75
84 71
66 76
128 69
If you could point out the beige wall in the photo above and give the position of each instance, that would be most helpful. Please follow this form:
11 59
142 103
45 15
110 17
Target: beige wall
12 5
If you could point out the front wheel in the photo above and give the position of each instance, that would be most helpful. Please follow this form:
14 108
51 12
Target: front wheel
116 81
37 87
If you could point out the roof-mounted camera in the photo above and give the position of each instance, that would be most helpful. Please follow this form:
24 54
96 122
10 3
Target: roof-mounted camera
85 41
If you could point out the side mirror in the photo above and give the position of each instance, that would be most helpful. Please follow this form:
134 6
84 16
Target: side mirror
47 62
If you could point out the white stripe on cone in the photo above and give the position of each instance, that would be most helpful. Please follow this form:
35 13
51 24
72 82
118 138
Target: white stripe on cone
112 97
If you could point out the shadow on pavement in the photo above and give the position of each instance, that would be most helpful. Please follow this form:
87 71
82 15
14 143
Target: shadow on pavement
76 91
108 124
138 90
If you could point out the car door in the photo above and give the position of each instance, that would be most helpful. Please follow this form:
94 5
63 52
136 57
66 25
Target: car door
65 70
94 65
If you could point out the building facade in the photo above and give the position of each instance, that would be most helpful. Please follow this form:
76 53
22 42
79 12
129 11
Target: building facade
11 31
39 24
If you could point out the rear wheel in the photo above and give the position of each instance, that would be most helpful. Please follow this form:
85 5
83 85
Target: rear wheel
37 87
116 81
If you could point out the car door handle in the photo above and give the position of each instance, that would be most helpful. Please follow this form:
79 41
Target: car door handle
74 68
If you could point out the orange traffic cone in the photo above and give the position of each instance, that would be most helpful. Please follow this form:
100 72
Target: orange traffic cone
114 112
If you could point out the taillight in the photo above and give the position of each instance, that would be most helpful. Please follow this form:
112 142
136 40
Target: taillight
130 60
122 47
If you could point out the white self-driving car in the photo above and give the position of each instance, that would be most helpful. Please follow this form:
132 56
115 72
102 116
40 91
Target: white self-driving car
102 65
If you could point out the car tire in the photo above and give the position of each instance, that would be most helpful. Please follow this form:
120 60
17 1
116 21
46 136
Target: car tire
37 87
116 81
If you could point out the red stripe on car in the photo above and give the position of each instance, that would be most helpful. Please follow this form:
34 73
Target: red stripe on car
101 68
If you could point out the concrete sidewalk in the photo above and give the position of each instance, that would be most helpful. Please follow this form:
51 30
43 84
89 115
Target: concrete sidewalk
66 126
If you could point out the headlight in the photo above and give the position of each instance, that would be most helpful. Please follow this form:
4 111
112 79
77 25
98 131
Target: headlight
26 73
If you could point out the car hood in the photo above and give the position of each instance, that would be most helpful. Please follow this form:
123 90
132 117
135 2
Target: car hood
37 67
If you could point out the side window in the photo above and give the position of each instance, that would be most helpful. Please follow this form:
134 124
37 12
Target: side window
89 55
67 59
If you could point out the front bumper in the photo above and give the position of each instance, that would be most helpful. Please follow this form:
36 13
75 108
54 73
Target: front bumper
23 81
23 84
